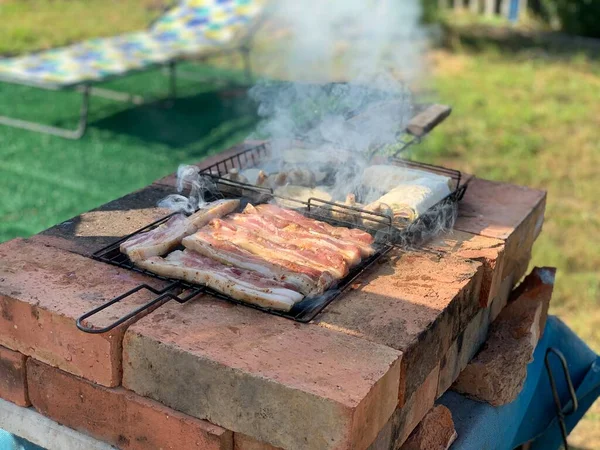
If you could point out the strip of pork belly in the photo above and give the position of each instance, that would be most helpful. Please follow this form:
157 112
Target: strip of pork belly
361 239
213 210
167 236
305 279
264 245
349 252
314 251
239 284
159 240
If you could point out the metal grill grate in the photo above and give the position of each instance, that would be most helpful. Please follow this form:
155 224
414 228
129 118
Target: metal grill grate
386 238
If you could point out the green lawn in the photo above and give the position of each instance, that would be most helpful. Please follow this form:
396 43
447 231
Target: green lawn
45 179
523 115
39 24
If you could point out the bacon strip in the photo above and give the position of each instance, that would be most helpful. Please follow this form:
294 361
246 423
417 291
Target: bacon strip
305 279
240 284
265 224
159 240
263 245
168 235
295 220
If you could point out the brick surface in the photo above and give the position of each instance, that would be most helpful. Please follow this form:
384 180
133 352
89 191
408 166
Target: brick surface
93 230
243 442
406 418
435 432
497 374
504 211
501 299
488 251
43 290
13 381
463 349
286 384
415 302
118 416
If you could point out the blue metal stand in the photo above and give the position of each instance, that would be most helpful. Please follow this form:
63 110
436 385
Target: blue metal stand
532 417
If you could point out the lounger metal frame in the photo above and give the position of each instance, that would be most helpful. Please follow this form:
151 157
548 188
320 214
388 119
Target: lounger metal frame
90 88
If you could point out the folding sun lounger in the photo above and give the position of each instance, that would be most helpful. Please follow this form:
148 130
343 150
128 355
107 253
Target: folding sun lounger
192 28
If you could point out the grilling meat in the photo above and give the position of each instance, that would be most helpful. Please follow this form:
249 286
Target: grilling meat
361 239
158 241
264 245
240 284
168 235
385 177
410 200
305 279
300 236
211 211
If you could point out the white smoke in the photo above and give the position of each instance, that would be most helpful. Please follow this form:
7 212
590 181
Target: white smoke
351 39
188 177
375 47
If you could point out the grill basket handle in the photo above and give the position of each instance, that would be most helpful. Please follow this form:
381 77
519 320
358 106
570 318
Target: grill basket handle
427 120
163 296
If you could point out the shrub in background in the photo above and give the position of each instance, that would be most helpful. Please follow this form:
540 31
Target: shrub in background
580 17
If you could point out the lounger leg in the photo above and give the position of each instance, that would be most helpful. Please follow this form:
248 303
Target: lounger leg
172 82
245 51
55 131
116 95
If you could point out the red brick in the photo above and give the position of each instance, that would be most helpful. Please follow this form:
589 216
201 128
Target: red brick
501 299
13 381
435 432
286 384
406 418
43 291
497 374
417 303
488 251
504 211
118 416
463 350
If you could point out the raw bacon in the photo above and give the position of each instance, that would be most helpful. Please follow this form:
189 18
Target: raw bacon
262 244
240 284
168 235
294 219
305 279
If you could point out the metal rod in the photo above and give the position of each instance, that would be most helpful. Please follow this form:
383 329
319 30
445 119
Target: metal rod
114 95
163 294
77 133
245 52
172 80
559 409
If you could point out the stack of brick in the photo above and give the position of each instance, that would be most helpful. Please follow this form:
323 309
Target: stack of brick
209 374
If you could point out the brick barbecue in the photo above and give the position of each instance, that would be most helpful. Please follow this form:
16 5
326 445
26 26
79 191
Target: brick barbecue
209 374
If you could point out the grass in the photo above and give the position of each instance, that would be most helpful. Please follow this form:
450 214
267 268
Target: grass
45 179
40 24
526 115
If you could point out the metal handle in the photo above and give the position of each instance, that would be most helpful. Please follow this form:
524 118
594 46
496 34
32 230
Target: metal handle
559 409
163 294
427 120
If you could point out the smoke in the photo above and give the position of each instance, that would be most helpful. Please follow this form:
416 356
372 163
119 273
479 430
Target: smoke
351 39
188 177
374 49
349 66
